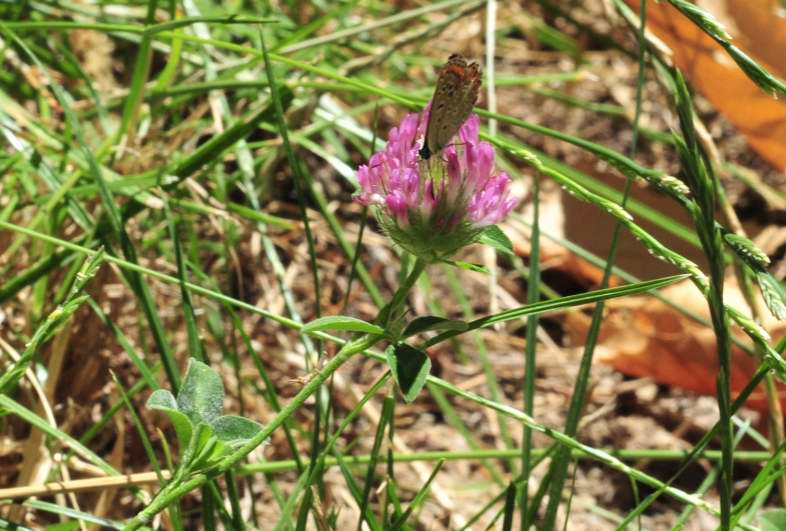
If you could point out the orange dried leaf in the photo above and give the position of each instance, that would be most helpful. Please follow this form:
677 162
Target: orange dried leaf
759 32
642 336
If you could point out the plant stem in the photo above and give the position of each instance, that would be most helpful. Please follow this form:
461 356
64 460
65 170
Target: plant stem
754 303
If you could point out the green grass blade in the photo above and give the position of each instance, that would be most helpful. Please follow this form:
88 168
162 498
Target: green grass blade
533 295
384 419
418 500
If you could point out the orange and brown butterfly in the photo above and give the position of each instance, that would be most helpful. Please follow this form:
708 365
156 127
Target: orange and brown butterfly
454 97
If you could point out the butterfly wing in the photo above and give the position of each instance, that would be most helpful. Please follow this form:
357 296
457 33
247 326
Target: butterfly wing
456 93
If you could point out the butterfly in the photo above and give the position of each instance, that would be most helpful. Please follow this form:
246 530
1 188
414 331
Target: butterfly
454 97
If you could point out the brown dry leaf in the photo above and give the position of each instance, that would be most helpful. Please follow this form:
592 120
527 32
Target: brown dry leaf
552 216
642 336
759 32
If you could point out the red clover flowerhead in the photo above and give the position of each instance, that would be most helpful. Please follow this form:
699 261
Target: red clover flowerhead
434 207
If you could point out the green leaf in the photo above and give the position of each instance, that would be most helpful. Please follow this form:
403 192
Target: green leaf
235 430
162 400
773 520
410 367
201 396
341 322
432 322
493 236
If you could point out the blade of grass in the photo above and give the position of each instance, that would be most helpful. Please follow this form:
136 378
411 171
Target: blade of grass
533 296
562 302
418 500
384 419
354 489
195 348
